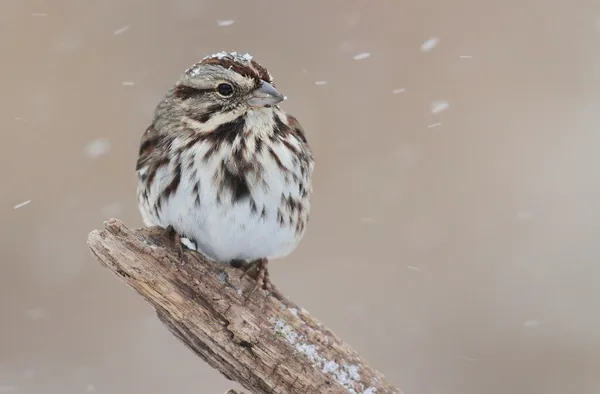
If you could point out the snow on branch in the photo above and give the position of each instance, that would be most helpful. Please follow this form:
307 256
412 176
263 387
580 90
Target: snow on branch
264 345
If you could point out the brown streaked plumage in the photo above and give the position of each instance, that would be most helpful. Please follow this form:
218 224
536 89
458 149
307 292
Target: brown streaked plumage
224 166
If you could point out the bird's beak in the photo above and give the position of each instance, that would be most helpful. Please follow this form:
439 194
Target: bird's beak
265 96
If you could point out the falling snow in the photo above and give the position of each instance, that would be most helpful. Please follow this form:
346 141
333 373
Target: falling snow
398 91
434 125
466 57
320 83
531 324
439 106
226 22
97 148
21 204
430 44
412 267
361 56
127 83
121 30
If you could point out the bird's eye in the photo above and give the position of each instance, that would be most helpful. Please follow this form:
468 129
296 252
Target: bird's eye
225 89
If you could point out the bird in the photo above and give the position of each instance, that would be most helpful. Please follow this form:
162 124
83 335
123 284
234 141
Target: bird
223 166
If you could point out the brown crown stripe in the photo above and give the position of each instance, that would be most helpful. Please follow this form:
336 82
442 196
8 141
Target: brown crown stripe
254 70
262 72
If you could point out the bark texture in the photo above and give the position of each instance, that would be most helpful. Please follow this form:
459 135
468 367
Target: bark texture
263 344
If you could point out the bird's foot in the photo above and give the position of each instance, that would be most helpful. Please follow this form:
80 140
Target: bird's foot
176 239
262 273
263 279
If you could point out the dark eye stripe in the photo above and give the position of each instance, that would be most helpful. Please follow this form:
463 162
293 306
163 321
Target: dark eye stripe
183 92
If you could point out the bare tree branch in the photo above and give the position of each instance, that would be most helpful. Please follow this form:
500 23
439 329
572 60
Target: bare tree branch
266 346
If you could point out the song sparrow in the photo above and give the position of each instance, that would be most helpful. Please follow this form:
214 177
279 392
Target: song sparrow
223 166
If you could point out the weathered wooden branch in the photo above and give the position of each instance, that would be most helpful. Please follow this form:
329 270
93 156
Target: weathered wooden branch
264 345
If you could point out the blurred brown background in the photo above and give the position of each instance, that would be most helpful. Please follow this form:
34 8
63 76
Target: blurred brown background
453 240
